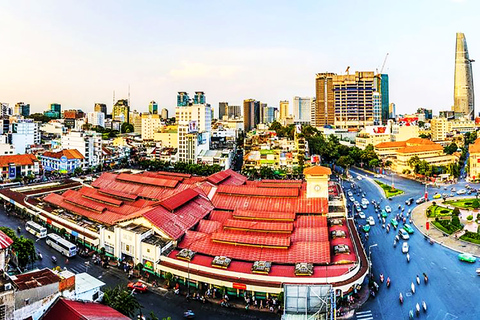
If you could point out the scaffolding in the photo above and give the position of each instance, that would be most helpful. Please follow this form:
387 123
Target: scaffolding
309 302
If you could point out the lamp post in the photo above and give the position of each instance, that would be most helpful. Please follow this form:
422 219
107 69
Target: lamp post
370 254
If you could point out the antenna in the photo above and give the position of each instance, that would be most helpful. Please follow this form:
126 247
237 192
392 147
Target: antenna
384 61
128 94
113 97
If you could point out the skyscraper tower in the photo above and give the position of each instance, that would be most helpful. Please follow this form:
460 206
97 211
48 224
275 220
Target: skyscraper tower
463 97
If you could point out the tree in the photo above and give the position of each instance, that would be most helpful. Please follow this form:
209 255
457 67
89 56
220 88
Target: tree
78 171
127 127
345 162
39 117
425 136
121 300
476 204
413 161
451 148
23 248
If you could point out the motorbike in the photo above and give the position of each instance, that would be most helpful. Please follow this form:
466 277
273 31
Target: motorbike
425 278
388 228
19 229
397 238
417 308
410 314
189 314
383 225
418 279
424 305
408 257
431 242
225 304
394 243
39 255
388 282
54 259
413 287
381 277
400 298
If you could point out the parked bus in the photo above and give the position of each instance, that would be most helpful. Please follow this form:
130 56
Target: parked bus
61 245
36 229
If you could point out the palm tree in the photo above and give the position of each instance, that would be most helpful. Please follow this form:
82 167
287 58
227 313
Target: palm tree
121 300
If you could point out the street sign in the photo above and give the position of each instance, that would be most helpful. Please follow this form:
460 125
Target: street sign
427 225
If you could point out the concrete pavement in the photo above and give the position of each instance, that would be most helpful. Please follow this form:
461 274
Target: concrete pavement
420 218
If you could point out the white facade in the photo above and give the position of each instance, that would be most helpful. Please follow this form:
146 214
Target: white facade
7 149
96 119
302 109
194 128
150 124
53 127
27 134
89 144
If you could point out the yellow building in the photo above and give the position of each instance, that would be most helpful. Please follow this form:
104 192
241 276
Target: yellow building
150 124
442 127
399 152
364 139
121 110
168 136
474 160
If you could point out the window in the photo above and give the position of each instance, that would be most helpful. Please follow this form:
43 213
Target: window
2 312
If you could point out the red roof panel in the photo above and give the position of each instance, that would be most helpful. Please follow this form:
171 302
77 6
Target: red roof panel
81 310
141 179
264 215
218 177
311 221
118 194
254 240
220 215
209 226
102 199
258 226
257 192
310 234
5 241
179 199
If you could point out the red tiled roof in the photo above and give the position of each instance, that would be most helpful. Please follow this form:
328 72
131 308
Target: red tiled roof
220 215
257 192
227 177
419 141
421 148
311 221
102 199
118 194
179 199
317 170
310 235
81 310
264 215
69 153
279 184
5 241
209 226
259 226
218 177
142 179
18 160
253 240
391 144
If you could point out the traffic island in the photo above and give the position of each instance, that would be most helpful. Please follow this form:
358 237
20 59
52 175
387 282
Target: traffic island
389 191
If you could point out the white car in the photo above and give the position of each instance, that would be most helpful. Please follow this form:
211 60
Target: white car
364 206
365 200
388 209
350 194
358 208
377 176
356 203
359 178
461 191
405 247
403 234
352 199
361 214
370 221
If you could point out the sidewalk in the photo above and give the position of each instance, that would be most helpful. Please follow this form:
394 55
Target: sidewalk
419 220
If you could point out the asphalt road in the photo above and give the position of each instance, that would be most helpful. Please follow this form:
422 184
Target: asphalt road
163 305
453 290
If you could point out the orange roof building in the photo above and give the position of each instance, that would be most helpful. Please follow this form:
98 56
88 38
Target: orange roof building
64 161
474 160
13 166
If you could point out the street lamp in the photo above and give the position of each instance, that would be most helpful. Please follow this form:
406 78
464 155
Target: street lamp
370 254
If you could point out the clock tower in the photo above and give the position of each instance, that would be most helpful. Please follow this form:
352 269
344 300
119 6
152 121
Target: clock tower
317 181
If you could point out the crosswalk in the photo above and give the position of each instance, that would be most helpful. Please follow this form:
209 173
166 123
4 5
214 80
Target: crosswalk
77 269
364 315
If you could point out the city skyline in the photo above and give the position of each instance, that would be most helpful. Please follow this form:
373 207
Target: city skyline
56 55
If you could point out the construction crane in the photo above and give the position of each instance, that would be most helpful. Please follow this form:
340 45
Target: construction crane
348 69
383 65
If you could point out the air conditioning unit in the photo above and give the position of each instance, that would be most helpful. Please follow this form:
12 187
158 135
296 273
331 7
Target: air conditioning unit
7 286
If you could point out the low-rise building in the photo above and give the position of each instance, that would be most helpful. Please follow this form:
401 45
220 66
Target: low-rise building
68 309
63 161
88 143
14 166
474 161
221 157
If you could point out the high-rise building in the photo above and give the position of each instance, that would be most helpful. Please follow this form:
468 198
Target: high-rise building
269 115
302 109
22 109
463 84
234 112
89 144
391 111
96 119
101 107
150 124
222 110
284 110
121 110
381 86
324 108
26 133
251 114
182 99
164 114
427 112
6 111
199 97
153 107
377 109
263 109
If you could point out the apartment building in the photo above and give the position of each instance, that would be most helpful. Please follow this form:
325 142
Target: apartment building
88 143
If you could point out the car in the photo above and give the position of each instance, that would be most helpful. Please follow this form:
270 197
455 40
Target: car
403 234
365 200
370 221
352 199
408 228
384 214
364 206
350 194
361 214
420 200
452 195
394 222
359 178
467 257
376 176
453 190
358 208
388 209
405 247
461 191
366 228
409 201
356 203
137 286
437 196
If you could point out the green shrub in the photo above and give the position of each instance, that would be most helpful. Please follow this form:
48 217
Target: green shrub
470 218
476 204
456 221
456 212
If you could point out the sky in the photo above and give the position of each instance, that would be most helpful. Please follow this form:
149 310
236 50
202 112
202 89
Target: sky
79 52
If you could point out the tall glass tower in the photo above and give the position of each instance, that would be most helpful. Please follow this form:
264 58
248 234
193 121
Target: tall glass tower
463 90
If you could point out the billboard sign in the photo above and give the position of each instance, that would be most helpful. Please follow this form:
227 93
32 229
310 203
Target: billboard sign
63 164
192 126
12 171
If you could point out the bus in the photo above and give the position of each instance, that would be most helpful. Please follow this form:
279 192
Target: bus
36 229
61 245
